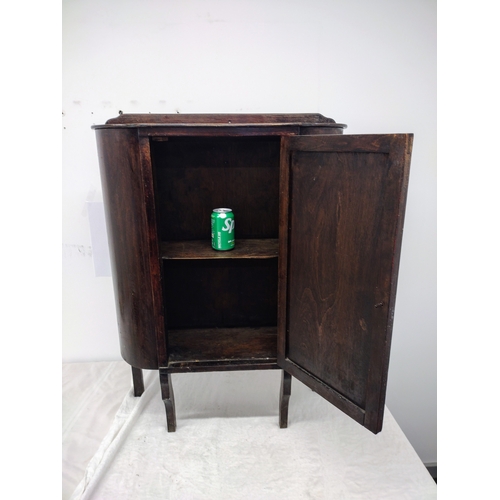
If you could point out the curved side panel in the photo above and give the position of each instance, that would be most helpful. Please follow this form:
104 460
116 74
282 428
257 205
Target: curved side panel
125 207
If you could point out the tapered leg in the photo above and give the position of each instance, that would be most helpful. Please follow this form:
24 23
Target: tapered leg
167 394
138 381
285 391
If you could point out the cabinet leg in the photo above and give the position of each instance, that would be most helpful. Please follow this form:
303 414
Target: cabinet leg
167 394
138 381
285 391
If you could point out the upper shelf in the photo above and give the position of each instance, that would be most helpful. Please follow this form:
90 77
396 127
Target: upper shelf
244 249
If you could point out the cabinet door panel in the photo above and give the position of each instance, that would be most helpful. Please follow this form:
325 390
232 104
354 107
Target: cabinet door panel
341 218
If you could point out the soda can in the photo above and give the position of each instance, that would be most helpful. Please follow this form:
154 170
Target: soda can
222 229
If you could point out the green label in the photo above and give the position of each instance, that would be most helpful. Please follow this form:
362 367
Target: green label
223 229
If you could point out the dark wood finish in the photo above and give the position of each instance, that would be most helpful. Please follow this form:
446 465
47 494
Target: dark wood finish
197 349
153 254
220 293
222 119
124 193
162 133
285 391
329 130
194 175
138 381
167 394
343 212
310 286
202 249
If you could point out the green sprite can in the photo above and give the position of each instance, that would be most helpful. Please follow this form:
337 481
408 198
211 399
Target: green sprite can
222 229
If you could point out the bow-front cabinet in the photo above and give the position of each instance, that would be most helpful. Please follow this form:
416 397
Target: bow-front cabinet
310 286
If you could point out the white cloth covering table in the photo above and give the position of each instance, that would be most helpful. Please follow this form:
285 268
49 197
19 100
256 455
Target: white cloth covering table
228 444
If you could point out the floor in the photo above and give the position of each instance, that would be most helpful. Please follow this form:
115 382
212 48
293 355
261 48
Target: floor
432 469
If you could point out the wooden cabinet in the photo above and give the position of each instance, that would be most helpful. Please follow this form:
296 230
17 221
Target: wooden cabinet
310 286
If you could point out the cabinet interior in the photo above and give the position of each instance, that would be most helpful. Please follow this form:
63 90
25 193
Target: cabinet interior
220 307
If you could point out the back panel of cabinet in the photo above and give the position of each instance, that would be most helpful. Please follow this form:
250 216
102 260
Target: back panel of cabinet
194 175
220 307
220 294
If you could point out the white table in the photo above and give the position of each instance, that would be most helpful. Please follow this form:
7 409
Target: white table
228 444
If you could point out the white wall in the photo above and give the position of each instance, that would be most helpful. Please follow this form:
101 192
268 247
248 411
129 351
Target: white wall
368 63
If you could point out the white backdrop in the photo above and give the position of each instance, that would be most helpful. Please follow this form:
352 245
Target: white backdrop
368 63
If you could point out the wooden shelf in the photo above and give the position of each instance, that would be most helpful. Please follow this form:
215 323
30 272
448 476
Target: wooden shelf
244 249
222 348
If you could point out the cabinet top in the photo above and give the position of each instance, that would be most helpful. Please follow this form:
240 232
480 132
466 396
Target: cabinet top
218 120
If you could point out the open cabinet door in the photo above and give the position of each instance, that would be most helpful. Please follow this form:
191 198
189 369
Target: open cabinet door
341 219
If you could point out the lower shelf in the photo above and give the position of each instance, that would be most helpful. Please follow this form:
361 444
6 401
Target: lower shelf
217 349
